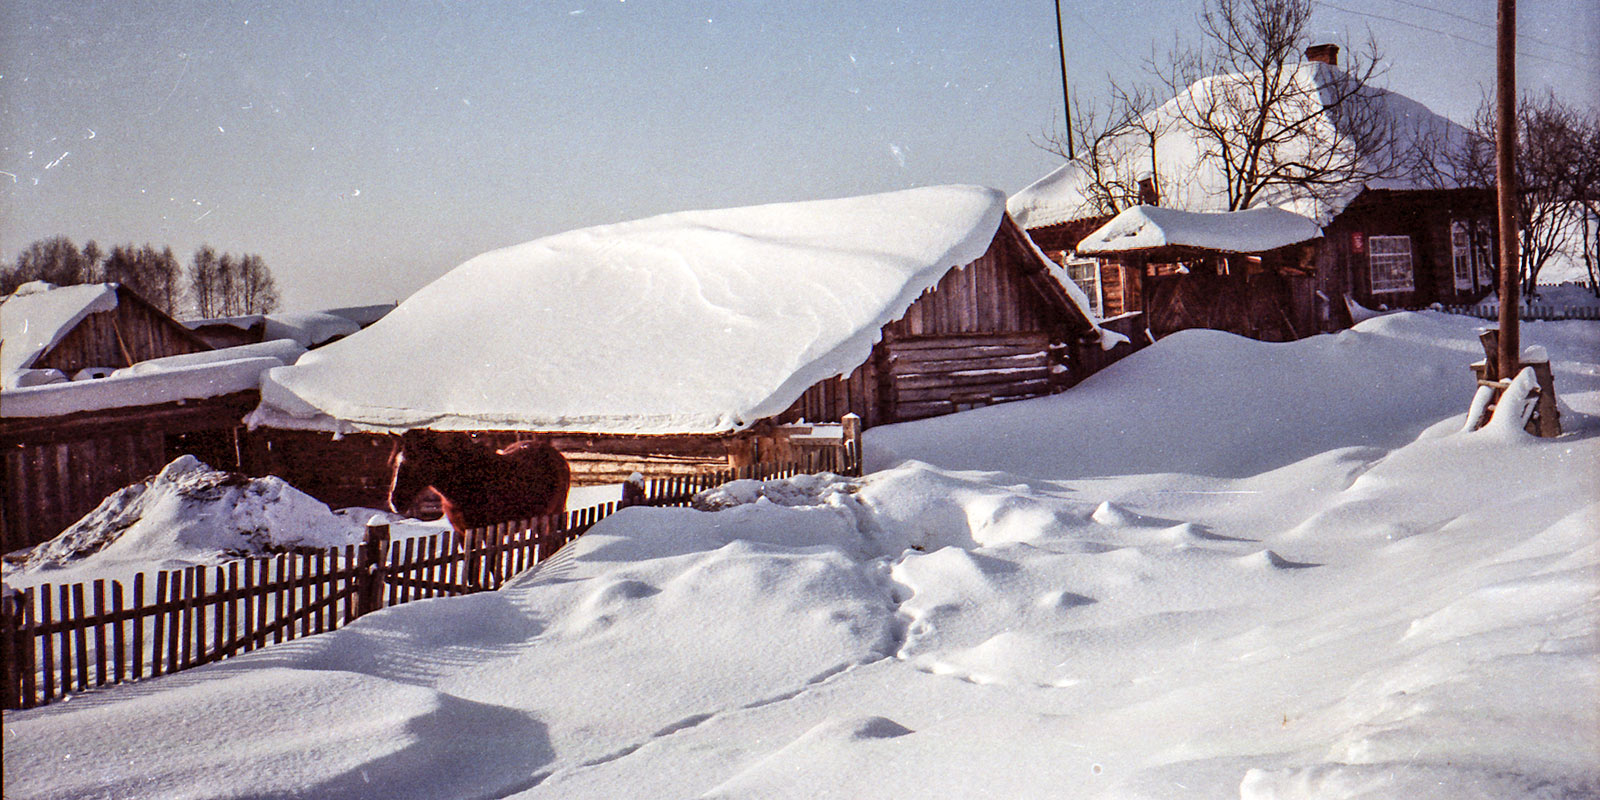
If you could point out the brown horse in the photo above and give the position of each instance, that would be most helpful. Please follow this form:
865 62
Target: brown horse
478 486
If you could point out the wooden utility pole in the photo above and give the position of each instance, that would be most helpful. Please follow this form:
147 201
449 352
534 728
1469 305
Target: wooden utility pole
1505 153
1066 103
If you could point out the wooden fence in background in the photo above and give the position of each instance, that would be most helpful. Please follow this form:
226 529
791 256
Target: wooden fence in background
58 640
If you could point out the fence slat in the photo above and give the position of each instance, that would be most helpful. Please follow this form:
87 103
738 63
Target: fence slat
101 672
138 626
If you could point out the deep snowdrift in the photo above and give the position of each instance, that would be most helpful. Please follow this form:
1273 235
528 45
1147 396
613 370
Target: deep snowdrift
1285 573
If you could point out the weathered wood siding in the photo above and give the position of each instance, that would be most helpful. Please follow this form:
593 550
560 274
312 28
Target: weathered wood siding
1424 217
59 468
132 332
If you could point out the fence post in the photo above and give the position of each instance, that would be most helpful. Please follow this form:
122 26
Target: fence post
11 639
852 444
370 568
633 491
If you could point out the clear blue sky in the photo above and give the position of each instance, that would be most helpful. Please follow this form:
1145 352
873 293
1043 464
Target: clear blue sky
364 148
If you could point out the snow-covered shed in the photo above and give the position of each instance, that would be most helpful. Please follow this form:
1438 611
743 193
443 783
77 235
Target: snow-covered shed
79 330
309 329
1250 272
682 341
1417 236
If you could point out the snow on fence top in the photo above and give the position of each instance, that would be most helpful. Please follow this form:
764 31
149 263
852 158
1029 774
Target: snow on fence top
1255 230
693 322
37 315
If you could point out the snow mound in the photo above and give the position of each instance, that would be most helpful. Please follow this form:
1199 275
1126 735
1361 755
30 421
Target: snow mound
189 514
820 489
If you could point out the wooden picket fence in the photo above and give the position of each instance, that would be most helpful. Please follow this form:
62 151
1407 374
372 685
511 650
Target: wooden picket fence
60 640
1534 311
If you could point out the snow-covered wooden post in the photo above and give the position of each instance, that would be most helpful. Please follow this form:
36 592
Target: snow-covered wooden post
852 444
632 491
370 568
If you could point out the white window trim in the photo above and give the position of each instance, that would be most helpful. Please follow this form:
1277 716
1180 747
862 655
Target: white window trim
1377 243
1097 300
1463 264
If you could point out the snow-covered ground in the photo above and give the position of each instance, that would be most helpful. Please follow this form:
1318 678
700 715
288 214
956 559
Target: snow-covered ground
1219 568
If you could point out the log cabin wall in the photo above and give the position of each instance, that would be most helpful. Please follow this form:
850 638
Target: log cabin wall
1425 218
58 469
134 331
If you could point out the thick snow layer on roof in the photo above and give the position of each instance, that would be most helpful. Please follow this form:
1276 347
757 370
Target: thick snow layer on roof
694 322
1057 197
1254 231
138 387
37 315
309 328
1193 180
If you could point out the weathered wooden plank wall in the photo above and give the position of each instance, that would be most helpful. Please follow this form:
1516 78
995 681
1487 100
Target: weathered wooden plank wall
132 332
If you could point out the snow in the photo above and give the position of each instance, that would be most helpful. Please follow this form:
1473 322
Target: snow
307 328
1192 180
137 386
1256 230
188 514
1217 568
703 321
37 315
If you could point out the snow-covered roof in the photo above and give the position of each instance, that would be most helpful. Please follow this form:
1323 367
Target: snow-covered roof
1256 230
128 387
1192 181
1056 198
308 328
693 322
37 315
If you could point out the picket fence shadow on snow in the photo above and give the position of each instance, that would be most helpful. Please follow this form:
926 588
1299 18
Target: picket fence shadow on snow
63 639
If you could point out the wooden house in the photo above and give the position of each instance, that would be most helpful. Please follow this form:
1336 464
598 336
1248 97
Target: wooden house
733 335
1402 242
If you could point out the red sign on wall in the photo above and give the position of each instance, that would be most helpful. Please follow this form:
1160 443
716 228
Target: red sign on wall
1357 241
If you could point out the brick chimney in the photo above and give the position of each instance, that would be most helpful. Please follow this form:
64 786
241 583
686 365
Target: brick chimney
1149 195
1326 53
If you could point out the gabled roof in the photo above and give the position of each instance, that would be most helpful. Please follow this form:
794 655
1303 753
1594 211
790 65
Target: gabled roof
1194 183
694 322
1256 230
38 315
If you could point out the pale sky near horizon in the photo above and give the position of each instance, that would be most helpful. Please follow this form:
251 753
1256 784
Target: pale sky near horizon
365 148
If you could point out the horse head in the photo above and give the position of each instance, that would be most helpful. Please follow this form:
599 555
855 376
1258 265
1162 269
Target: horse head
413 463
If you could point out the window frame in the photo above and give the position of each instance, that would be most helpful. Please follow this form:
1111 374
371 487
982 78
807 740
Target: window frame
1390 259
1097 301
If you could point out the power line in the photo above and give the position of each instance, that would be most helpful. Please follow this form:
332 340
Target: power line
1480 23
1451 35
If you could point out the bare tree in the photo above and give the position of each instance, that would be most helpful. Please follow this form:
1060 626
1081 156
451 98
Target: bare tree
55 260
153 274
254 286
1272 125
227 285
1558 179
205 283
1113 147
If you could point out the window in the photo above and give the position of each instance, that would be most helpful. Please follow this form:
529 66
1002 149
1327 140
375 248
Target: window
1389 258
1086 273
1461 253
1483 245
